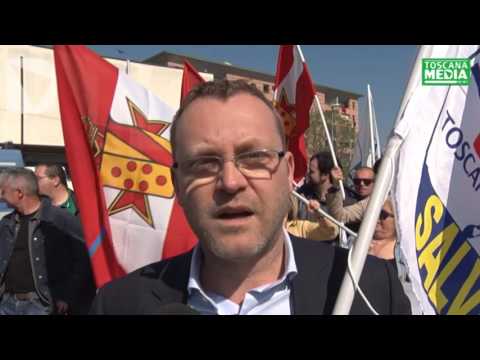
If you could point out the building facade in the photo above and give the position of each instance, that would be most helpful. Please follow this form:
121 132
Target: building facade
340 107
347 101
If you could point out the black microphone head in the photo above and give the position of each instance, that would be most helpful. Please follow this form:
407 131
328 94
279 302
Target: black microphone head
176 309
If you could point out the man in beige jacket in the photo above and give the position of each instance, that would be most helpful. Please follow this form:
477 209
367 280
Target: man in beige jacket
348 214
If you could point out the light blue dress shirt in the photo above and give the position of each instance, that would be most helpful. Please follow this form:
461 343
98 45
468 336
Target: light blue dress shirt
269 299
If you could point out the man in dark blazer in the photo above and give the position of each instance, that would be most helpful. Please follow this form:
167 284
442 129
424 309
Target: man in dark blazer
233 176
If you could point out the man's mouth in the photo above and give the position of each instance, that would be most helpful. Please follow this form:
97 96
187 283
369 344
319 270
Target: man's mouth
232 213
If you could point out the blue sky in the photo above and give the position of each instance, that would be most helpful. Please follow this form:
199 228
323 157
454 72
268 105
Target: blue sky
348 67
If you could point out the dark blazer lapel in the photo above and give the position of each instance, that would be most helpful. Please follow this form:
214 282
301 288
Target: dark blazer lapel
171 286
309 286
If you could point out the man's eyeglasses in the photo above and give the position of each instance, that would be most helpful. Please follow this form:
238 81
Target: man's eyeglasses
358 181
256 164
385 215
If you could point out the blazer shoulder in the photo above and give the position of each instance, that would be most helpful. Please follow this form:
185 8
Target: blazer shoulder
124 295
310 254
150 273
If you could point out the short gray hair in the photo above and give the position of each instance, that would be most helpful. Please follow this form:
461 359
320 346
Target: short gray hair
23 179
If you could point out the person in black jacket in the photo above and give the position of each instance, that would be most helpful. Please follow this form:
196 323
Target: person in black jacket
44 263
233 177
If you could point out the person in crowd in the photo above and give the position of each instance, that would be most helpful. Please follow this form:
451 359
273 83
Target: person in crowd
52 182
317 184
363 181
384 237
320 230
351 214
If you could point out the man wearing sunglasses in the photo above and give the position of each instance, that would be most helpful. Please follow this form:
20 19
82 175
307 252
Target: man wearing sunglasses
351 214
363 181
233 177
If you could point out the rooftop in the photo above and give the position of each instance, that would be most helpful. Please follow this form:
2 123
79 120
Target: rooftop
203 65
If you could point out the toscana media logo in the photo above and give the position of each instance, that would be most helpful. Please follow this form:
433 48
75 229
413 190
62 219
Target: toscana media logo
446 71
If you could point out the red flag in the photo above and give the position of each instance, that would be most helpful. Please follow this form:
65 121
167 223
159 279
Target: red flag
294 96
117 145
190 79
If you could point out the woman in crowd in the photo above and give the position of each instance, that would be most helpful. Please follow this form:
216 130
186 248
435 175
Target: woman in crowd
385 236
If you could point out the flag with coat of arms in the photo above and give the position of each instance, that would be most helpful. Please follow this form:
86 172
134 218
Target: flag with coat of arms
117 143
294 94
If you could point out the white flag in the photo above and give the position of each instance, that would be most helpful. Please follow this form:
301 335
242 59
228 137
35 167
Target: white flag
437 190
367 145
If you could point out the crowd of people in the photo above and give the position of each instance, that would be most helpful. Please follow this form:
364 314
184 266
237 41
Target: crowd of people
260 250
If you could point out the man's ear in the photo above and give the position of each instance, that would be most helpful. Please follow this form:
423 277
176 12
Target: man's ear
176 187
56 181
21 194
290 168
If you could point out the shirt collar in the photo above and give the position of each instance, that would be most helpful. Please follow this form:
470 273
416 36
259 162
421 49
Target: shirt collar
289 272
35 216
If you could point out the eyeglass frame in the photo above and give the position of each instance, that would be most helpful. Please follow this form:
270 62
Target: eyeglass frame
221 160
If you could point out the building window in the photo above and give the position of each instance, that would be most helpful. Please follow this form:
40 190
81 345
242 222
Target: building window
266 88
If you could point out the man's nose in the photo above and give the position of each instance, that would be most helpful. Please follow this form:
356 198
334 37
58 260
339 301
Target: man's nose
231 179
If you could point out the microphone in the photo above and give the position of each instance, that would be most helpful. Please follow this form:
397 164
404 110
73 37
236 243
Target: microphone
176 309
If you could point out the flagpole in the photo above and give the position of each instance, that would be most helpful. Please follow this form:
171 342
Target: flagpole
377 198
370 119
322 116
21 101
121 52
324 213
377 138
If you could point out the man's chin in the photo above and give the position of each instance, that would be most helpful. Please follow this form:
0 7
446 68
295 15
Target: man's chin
237 254
235 246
